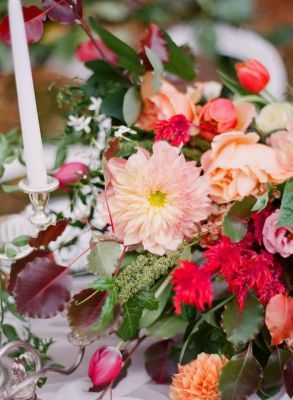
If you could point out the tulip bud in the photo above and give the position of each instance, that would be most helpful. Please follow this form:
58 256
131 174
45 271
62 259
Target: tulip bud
105 365
69 173
252 75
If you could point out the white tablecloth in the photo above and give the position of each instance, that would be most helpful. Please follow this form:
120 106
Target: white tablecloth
136 386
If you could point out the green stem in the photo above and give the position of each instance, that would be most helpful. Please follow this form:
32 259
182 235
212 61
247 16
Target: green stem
270 96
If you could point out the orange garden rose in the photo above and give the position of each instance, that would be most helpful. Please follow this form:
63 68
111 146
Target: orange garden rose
164 104
238 165
199 379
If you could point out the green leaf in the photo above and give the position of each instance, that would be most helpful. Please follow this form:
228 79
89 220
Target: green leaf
158 69
2 170
262 201
242 326
9 188
10 332
21 240
105 284
240 377
131 106
187 341
232 84
128 58
112 105
167 327
162 295
286 210
235 219
10 253
132 312
186 254
60 155
180 62
108 311
273 371
103 258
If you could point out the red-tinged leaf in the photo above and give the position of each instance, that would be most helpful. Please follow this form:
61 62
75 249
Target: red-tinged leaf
79 8
112 149
155 41
33 17
62 11
279 318
158 362
42 288
88 51
50 234
85 308
19 265
288 377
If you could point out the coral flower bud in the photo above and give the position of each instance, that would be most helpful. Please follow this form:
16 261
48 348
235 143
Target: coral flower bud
252 75
105 365
69 173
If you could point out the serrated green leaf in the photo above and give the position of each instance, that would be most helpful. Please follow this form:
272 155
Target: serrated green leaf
21 240
108 310
131 106
167 327
286 210
103 258
240 377
242 326
180 62
127 57
104 284
236 219
158 69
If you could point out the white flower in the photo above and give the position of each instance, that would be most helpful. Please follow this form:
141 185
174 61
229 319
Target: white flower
80 123
274 117
212 89
95 105
123 129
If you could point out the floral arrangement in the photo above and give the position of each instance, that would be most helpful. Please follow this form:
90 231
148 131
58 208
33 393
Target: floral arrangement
193 181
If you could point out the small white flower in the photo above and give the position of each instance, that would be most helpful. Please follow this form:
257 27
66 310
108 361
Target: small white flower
95 105
123 129
273 117
212 89
80 123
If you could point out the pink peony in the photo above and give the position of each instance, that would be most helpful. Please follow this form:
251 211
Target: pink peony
156 200
277 239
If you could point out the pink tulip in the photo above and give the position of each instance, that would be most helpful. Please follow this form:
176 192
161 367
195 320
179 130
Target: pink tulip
252 75
105 366
69 173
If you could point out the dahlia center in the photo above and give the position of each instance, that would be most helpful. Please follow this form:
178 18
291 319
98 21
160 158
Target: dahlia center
157 199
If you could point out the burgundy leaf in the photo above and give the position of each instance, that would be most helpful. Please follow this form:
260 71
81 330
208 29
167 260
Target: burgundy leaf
19 265
155 41
158 363
87 51
42 288
79 8
112 149
50 234
85 309
33 17
288 376
62 11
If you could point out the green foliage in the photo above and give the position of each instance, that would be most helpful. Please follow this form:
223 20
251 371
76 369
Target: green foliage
103 258
21 240
240 377
158 69
108 311
167 327
131 106
235 219
10 148
286 210
262 201
242 326
132 312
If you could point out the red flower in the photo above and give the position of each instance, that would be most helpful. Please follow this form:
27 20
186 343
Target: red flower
175 130
244 269
33 18
217 116
192 286
105 366
69 173
87 51
252 75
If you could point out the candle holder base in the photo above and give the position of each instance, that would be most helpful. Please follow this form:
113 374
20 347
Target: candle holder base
39 198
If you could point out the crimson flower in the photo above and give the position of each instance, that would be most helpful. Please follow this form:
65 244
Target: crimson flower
252 75
175 130
192 286
87 51
105 366
33 17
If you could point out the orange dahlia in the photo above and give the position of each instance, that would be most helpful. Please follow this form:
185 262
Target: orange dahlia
199 379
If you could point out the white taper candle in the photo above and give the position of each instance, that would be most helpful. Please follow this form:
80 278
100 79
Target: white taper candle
32 141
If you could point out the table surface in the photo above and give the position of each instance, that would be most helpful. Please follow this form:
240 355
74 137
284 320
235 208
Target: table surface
136 386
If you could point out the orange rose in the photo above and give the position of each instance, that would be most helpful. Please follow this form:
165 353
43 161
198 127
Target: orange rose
164 104
238 165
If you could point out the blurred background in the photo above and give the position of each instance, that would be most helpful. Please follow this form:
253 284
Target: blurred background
220 31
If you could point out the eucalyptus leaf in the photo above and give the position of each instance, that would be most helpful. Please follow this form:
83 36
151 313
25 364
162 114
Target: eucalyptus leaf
131 106
10 253
103 258
21 240
158 69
